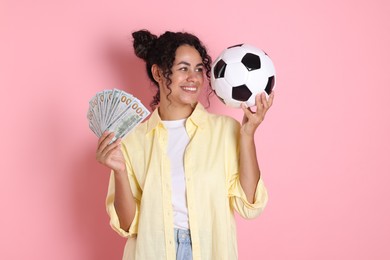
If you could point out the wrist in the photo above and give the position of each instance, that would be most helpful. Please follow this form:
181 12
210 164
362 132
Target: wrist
247 136
120 173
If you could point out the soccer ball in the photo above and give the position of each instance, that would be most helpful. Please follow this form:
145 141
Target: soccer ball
240 72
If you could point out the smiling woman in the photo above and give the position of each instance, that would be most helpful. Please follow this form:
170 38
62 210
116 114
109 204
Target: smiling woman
179 94
169 197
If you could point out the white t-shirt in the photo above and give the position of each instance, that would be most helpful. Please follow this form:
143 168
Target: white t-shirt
178 140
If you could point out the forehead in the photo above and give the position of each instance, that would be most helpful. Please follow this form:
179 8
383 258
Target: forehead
187 53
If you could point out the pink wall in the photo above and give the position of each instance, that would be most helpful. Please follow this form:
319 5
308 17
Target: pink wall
324 147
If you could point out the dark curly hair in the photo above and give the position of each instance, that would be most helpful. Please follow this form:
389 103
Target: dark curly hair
162 50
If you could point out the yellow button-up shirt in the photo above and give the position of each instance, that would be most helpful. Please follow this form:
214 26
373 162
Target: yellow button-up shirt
211 163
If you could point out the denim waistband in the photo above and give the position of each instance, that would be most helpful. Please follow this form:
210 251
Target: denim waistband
182 235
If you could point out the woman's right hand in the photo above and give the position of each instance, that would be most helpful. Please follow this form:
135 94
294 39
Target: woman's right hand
110 155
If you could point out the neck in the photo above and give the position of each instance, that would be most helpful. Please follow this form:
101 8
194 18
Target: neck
174 112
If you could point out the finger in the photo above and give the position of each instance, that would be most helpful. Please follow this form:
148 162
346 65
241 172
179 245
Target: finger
114 145
268 103
264 101
105 155
271 99
244 108
102 137
108 155
247 111
105 140
259 103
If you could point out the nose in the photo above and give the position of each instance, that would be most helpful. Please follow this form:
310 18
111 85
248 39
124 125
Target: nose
191 76
194 76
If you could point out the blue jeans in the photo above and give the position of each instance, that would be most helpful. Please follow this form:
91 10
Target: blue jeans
183 244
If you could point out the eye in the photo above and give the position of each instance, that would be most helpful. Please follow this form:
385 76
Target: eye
199 69
183 68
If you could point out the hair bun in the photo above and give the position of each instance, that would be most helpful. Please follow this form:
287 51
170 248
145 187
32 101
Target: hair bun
143 42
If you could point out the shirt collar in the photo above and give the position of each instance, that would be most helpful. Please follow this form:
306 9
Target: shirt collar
198 115
197 118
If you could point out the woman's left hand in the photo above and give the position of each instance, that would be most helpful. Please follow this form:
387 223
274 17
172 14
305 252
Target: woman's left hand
252 119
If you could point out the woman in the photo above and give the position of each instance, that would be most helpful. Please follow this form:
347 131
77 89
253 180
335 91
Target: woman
178 177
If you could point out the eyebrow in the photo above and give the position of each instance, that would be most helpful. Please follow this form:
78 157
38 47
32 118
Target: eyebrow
188 64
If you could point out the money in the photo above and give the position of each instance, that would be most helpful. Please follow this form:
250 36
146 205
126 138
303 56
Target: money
115 111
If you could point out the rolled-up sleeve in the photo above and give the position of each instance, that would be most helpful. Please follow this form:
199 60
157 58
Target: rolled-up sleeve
237 197
240 202
110 207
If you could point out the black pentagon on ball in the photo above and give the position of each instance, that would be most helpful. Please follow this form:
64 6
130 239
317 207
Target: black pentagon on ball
270 85
219 69
241 93
251 61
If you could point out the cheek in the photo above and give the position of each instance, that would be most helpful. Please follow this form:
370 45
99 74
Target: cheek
201 78
177 78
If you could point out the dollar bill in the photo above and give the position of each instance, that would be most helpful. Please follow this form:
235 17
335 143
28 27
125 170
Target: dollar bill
93 114
115 111
129 118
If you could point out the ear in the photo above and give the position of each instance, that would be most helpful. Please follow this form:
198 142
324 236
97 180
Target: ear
156 72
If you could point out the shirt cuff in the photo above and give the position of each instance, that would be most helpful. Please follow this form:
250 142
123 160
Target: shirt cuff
243 206
115 224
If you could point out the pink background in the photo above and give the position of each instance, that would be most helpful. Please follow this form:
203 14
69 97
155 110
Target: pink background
324 147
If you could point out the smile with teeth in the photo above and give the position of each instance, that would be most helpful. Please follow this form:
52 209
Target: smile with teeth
189 89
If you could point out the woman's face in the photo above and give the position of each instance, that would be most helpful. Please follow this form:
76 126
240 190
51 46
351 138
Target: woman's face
187 78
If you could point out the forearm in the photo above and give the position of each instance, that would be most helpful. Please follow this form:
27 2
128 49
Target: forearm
124 201
249 167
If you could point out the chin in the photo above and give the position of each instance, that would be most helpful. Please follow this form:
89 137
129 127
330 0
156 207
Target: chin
189 100
192 102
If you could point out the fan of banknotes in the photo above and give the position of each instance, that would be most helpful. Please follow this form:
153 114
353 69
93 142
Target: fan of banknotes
115 111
